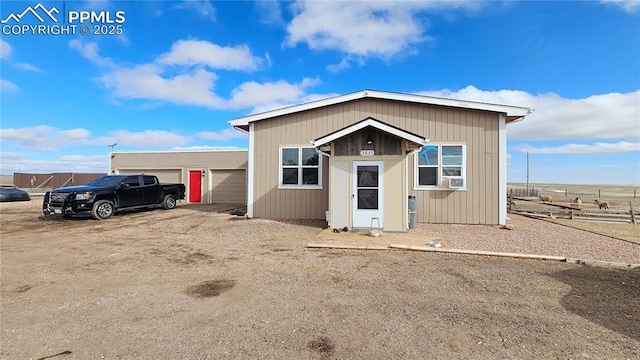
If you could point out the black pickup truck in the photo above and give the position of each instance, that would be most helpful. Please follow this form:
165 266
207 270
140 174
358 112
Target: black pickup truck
105 195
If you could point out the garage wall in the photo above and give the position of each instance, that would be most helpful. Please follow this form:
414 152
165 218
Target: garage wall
164 175
225 171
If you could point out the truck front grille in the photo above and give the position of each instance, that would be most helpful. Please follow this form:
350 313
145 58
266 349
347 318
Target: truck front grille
57 198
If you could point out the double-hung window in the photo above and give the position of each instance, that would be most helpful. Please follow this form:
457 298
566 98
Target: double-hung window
300 167
441 166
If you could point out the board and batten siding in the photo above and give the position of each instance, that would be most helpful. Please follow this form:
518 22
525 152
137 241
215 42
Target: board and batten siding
477 129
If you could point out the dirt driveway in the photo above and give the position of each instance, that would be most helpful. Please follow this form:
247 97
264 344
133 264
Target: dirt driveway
192 283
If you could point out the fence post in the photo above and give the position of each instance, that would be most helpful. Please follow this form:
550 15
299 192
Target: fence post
633 215
598 193
566 192
634 193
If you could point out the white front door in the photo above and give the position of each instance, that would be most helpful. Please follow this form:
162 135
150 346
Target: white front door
368 193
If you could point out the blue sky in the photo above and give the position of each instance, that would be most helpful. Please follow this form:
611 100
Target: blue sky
181 69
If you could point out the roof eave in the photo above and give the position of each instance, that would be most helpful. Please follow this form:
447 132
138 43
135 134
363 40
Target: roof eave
517 117
510 111
245 120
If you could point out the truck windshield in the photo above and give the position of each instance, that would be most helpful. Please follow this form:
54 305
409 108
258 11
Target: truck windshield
106 181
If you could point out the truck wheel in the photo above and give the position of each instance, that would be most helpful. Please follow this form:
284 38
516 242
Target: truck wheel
102 209
169 202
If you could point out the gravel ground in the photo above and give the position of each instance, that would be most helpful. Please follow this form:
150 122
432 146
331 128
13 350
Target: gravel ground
532 236
194 283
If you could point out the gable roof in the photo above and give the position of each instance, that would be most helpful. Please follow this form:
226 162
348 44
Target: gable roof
512 113
417 139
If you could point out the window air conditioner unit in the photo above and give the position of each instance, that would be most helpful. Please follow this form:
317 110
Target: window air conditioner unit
455 183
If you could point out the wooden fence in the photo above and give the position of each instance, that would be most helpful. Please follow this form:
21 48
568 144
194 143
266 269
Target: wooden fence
523 192
557 211
51 180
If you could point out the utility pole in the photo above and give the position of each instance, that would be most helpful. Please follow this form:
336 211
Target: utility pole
111 155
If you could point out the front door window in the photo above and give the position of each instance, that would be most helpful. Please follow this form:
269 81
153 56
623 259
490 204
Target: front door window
368 187
368 193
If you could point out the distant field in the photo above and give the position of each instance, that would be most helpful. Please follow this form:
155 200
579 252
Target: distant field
6 179
582 191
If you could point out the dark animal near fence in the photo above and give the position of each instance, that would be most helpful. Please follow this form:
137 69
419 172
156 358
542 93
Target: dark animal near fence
601 204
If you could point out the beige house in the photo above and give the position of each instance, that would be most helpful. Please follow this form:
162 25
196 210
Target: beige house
355 159
210 176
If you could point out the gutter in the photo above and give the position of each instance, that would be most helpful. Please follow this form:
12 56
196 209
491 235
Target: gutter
529 112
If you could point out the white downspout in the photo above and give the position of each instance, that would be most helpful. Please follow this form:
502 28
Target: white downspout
250 171
502 170
409 182
330 180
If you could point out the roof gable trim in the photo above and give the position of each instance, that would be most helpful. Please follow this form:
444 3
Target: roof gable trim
373 123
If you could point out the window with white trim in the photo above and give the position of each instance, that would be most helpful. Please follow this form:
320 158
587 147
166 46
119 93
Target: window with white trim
441 166
300 167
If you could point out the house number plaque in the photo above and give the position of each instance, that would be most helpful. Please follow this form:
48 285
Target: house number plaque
367 152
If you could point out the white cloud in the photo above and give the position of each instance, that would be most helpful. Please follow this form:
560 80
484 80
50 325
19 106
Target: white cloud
147 82
267 58
223 135
45 137
597 148
4 156
342 65
193 85
96 5
197 88
8 87
301 100
627 5
5 53
206 148
606 116
75 136
26 134
70 163
80 158
257 94
364 28
147 138
48 138
5 49
28 67
199 52
270 12
90 51
203 8
359 28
